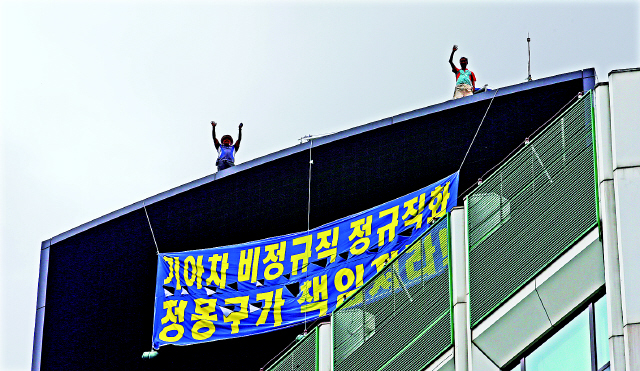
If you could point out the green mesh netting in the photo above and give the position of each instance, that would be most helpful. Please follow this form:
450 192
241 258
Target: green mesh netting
531 209
301 357
401 319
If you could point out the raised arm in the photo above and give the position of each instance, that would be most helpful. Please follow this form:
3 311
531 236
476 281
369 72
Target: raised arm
453 66
237 145
215 140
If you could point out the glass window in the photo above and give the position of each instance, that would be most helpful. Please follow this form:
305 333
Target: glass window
567 350
602 332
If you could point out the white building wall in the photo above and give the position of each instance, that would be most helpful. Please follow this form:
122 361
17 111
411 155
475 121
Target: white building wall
542 304
624 99
324 347
609 232
460 289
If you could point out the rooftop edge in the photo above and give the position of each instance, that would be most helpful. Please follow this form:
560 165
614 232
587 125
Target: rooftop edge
587 73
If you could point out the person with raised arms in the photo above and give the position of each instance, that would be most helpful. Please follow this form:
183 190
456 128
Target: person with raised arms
227 149
465 79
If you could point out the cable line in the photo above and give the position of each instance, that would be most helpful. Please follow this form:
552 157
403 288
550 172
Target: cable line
151 228
573 99
479 126
308 221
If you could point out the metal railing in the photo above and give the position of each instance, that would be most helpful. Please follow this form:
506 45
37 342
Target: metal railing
303 356
401 318
531 209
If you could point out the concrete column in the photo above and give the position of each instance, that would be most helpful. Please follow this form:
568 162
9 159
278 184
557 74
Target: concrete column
459 261
325 349
625 139
609 232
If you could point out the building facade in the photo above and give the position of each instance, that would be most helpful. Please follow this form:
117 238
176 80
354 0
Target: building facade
540 267
96 287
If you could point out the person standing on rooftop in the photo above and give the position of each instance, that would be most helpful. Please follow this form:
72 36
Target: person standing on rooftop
227 150
465 79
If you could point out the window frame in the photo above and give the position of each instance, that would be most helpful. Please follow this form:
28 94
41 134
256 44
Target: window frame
518 363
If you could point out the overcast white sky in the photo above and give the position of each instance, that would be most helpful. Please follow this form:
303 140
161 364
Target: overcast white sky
105 103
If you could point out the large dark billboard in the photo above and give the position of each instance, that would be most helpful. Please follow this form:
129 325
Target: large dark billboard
100 284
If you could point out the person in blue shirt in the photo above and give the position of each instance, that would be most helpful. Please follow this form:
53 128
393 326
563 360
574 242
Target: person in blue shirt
227 150
465 79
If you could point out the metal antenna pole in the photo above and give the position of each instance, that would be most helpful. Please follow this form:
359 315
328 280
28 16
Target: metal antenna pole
529 50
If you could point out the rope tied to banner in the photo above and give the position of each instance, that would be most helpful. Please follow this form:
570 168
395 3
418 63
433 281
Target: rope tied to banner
308 220
144 206
152 353
478 130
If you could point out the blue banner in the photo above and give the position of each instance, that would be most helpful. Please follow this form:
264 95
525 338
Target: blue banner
256 287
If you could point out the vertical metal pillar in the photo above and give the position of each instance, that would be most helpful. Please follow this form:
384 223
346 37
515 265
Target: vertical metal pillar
36 357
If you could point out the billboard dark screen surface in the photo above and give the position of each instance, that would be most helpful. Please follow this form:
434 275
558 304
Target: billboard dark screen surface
100 283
